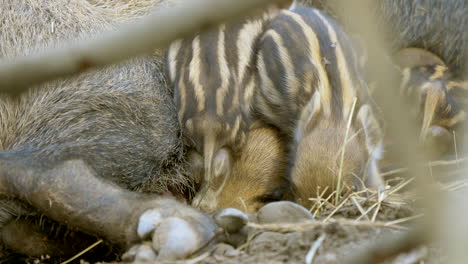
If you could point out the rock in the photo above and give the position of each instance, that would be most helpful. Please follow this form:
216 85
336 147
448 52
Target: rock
283 212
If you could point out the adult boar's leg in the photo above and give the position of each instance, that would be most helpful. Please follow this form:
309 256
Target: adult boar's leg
28 237
69 193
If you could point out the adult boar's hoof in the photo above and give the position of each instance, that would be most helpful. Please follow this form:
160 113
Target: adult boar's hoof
177 230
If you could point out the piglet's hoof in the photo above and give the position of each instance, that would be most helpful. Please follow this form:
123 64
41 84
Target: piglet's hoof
283 212
176 230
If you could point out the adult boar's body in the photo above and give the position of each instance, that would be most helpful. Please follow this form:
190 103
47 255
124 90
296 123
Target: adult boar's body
439 26
120 123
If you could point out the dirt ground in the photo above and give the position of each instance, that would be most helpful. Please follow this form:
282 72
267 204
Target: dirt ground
337 232
335 241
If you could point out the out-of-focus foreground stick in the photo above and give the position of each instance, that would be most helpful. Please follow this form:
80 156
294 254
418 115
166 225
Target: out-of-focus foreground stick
398 125
135 39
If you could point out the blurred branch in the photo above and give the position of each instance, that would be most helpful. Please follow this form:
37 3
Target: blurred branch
453 229
157 30
360 17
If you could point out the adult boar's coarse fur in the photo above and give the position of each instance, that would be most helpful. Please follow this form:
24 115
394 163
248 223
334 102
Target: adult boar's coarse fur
120 122
124 110
439 26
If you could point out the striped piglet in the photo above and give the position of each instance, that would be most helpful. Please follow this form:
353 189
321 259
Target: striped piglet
214 83
311 87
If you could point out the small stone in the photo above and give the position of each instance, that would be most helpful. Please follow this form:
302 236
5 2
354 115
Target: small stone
149 221
230 219
283 212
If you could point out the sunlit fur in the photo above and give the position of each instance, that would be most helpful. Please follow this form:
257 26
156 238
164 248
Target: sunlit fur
257 174
317 161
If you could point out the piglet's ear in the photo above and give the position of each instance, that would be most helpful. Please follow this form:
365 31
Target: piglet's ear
309 116
372 131
374 145
222 163
414 57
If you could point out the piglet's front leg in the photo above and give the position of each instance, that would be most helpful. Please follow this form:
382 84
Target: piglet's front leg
71 194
